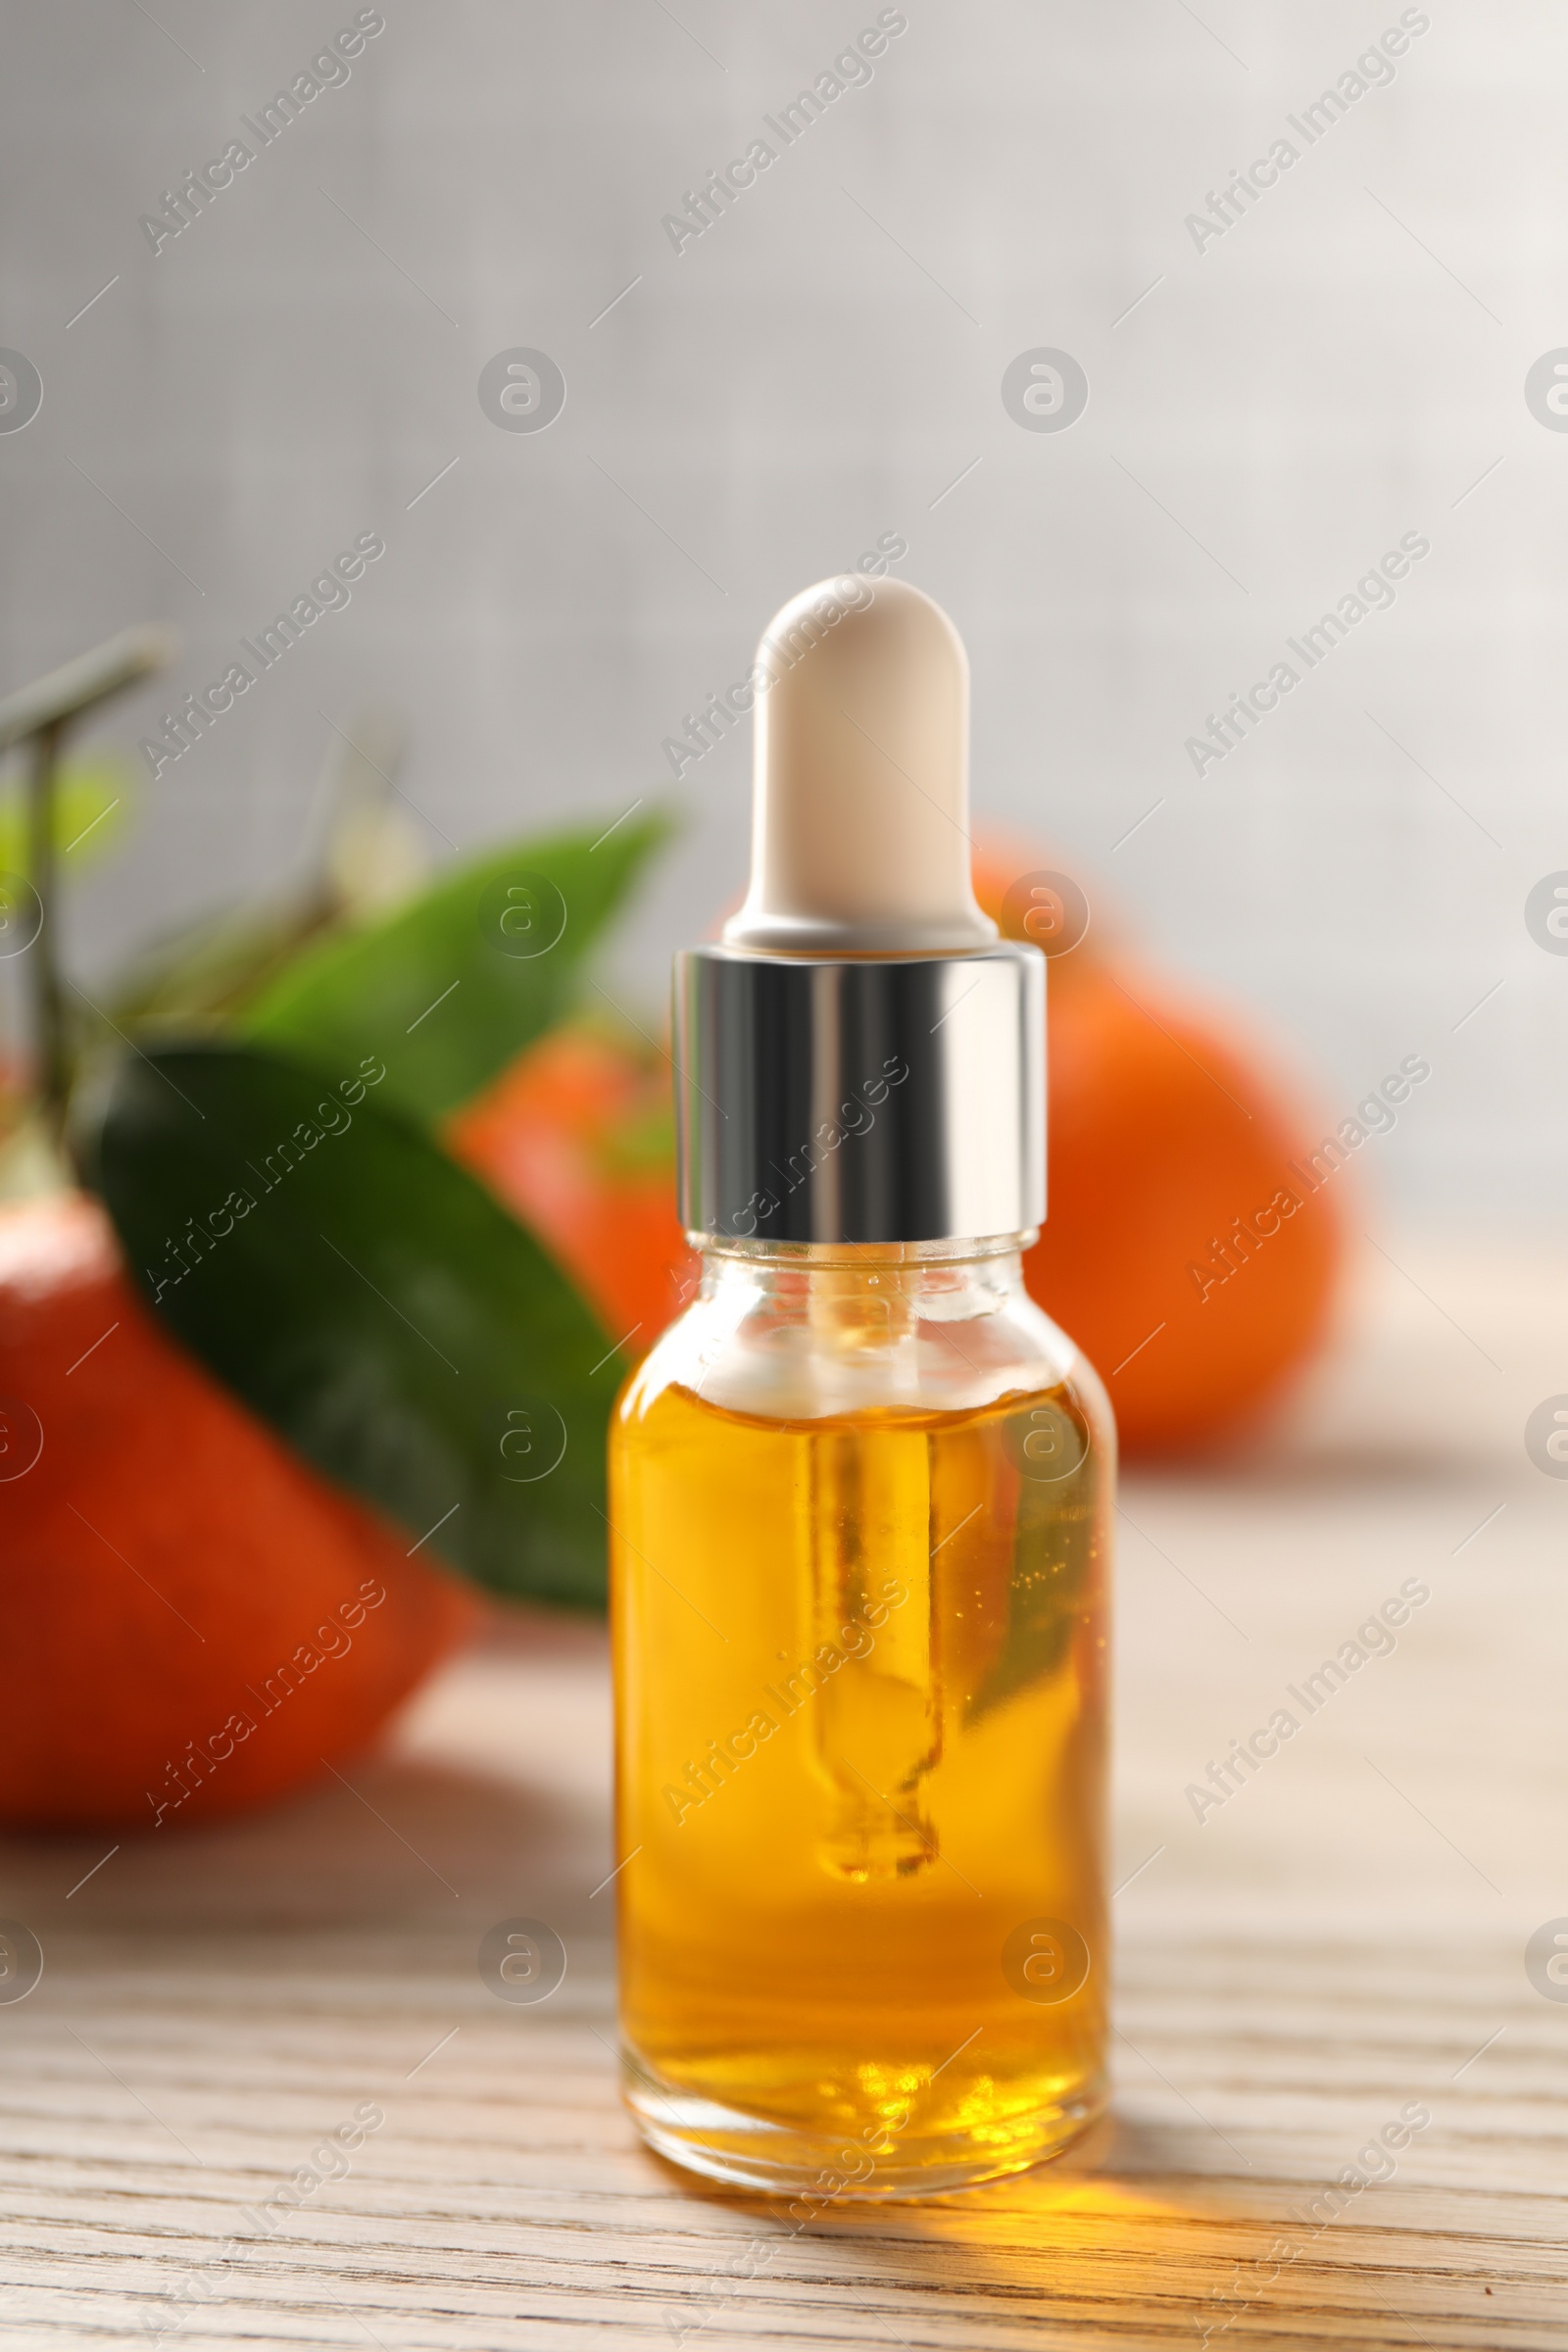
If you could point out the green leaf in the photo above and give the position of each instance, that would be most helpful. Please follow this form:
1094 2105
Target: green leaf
452 986
369 1299
93 799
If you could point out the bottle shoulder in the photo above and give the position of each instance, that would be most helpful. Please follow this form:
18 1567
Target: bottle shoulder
936 1354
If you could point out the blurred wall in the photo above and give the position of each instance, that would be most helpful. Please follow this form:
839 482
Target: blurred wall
1270 410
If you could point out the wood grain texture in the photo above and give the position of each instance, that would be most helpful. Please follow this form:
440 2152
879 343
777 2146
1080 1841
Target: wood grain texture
1344 1936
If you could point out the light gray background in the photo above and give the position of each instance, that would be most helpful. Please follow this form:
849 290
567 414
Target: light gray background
1338 369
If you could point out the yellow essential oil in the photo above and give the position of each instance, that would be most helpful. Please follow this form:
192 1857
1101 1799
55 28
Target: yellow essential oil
860 1660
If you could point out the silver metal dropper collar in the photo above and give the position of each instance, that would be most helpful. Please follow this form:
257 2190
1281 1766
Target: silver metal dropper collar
860 1099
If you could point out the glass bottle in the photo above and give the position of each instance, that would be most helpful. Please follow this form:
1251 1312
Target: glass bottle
861 1495
860 1504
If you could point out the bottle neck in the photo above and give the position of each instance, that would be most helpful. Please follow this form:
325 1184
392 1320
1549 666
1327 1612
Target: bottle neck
875 1254
883 1289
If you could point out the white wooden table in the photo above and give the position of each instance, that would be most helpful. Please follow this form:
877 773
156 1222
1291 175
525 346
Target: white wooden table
1341 1938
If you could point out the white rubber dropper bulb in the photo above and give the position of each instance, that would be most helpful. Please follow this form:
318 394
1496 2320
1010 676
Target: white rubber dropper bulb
860 800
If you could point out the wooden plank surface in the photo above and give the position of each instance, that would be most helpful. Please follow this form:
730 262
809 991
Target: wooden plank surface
1342 1938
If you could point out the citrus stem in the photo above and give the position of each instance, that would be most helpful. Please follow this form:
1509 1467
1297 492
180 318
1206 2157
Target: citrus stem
49 1012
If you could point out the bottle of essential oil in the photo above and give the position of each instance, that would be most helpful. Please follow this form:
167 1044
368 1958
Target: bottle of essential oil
861 1498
